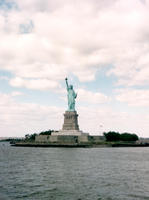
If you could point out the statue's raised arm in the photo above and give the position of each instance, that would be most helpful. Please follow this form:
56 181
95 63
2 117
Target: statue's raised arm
66 83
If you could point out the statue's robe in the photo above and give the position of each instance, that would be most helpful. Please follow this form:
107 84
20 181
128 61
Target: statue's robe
71 99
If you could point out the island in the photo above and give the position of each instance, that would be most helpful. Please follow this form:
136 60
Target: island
71 136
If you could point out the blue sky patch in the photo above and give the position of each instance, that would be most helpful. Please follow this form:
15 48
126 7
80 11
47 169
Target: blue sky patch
26 27
7 5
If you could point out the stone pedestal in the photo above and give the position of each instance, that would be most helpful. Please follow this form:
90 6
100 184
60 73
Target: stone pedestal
70 121
70 126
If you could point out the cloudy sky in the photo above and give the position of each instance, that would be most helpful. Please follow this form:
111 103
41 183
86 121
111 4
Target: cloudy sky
102 46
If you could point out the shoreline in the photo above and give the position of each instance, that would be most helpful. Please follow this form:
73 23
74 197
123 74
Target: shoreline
77 145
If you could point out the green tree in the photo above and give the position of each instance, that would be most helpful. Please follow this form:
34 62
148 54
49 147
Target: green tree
115 136
128 137
46 132
112 136
30 137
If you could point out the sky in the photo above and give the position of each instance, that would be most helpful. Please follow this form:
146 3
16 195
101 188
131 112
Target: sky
102 46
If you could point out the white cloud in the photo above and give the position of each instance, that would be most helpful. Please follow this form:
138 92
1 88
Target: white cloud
133 97
91 119
77 37
42 84
16 93
18 119
5 99
91 97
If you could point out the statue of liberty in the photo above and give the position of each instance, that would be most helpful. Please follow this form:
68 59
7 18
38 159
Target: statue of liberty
71 95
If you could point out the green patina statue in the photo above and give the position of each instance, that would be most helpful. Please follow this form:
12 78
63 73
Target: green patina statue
71 96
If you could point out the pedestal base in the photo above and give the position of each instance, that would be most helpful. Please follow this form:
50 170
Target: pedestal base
70 133
70 121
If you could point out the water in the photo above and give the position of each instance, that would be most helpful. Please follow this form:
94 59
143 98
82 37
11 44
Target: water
73 173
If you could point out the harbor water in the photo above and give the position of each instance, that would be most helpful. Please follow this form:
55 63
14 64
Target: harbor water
28 173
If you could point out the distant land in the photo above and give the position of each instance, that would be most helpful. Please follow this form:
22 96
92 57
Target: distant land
10 138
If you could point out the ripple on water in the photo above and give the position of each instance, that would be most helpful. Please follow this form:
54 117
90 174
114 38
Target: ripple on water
76 174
